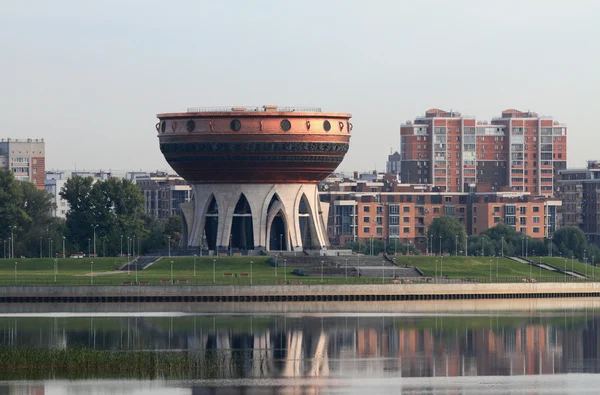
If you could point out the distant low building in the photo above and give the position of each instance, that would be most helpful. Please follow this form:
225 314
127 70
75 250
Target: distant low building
55 181
25 158
579 190
163 193
394 212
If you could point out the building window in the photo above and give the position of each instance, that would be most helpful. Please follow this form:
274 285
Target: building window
405 230
379 231
536 220
536 209
523 220
366 209
406 219
436 210
496 220
536 230
406 209
379 220
366 220
496 209
523 210
366 229
379 209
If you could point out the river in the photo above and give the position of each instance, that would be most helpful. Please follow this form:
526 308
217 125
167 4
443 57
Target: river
532 347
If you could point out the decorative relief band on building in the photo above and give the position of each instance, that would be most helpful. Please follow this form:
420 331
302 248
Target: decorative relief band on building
253 147
256 158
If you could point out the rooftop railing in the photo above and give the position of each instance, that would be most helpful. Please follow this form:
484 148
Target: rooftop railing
253 109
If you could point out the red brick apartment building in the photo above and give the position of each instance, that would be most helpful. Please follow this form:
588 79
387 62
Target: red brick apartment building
361 210
522 151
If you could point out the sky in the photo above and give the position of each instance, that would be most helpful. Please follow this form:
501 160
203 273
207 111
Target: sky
90 76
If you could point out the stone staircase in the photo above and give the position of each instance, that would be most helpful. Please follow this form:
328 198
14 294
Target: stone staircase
140 263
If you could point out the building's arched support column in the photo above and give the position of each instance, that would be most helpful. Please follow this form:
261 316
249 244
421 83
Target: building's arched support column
261 212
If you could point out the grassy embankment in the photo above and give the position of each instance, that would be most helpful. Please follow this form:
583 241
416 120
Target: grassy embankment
77 271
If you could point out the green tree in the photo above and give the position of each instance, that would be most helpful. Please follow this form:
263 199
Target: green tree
571 241
25 210
448 231
113 208
174 228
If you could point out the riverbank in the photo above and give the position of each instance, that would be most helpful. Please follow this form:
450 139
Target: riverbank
293 293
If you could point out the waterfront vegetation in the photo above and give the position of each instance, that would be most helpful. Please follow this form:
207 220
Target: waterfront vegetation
36 363
239 271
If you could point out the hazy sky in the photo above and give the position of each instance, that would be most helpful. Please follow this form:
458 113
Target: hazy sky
90 76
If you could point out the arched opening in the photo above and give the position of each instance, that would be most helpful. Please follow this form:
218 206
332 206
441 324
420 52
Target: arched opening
242 232
306 223
211 226
277 237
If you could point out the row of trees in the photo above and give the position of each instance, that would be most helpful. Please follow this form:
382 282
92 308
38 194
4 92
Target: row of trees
112 210
503 239
26 223
447 235
377 246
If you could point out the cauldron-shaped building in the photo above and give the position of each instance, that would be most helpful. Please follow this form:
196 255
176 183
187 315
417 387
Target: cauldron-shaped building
254 173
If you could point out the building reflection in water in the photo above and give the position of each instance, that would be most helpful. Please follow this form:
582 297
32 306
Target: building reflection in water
312 346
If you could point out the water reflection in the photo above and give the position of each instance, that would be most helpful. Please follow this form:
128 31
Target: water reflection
337 347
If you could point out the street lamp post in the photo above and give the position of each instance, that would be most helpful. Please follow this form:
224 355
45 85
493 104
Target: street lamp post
321 271
121 256
89 247
15 272
285 270
442 267
251 264
382 271
431 244
482 246
490 270
346 269
456 246
40 247
169 241
92 272
4 249
550 253
194 265
466 245
565 269
441 245
171 272
436 272
12 238
214 261
572 257
230 242
94 227
281 242
64 253
502 238
496 268
55 268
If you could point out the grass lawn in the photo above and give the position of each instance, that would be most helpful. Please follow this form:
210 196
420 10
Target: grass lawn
477 267
238 270
591 271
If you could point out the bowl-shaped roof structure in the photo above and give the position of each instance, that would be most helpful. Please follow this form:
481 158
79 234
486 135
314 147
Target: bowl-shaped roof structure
254 145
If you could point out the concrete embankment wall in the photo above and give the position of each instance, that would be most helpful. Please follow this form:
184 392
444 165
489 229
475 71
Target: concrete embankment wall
293 293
